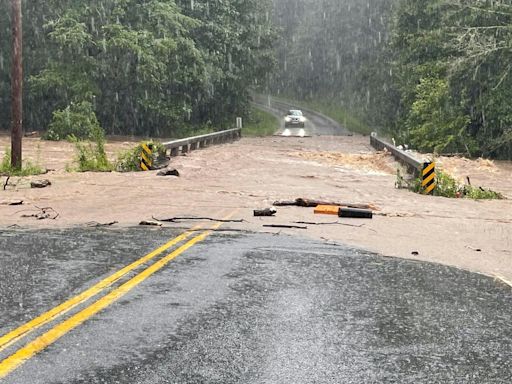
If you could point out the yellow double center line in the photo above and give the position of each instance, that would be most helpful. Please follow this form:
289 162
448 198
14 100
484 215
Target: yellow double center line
15 360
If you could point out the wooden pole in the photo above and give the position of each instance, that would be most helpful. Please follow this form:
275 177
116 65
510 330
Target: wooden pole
16 86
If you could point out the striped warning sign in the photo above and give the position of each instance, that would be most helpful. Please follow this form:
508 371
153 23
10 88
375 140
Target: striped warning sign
146 157
428 180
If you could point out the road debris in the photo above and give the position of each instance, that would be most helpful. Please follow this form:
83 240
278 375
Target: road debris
178 219
6 182
473 248
394 214
42 214
284 226
327 210
355 213
331 223
40 183
150 223
310 203
168 172
95 224
12 202
265 212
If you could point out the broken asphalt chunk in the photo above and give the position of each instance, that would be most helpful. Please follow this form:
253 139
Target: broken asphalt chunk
168 172
265 212
40 183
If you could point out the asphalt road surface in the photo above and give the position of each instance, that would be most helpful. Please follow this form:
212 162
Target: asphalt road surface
242 308
316 123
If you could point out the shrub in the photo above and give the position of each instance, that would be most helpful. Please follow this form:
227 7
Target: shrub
91 155
77 120
448 186
129 161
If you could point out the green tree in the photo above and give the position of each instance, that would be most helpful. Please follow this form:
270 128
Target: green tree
146 66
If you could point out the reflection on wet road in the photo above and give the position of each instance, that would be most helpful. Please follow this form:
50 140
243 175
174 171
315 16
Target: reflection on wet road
251 308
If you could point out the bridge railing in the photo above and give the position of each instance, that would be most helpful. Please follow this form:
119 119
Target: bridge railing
412 163
188 144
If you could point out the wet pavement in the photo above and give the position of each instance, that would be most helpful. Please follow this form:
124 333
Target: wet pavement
254 308
316 124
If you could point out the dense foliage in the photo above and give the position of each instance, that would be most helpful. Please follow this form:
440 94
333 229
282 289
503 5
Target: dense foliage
146 66
434 73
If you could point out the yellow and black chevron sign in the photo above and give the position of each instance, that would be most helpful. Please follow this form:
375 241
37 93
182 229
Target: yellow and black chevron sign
146 157
428 180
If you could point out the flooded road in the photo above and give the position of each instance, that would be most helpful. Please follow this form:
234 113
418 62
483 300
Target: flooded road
249 308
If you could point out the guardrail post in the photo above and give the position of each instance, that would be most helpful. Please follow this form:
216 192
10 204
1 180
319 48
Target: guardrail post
428 177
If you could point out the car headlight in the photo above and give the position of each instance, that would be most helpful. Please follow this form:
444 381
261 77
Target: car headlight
287 119
302 119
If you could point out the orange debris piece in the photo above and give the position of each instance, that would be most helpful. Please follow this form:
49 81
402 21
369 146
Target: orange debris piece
327 210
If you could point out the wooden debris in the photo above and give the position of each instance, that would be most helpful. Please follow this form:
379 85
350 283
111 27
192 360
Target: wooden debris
12 202
265 212
178 219
168 172
95 224
6 182
43 214
331 223
309 203
40 183
284 226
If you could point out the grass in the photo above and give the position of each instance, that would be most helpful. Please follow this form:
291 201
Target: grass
448 186
335 112
91 155
28 168
260 123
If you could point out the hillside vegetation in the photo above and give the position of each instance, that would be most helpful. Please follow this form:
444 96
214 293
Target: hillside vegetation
143 67
435 74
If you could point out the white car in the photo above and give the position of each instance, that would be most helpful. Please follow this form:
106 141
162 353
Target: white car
294 119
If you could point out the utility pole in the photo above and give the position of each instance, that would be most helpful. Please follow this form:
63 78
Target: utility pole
16 85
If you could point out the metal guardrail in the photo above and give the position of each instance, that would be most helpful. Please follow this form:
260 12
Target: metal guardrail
413 165
196 142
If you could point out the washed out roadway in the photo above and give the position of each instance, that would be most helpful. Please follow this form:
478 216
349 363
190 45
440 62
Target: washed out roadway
251 308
